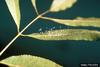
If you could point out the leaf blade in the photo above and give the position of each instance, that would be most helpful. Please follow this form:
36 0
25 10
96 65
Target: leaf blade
34 5
28 61
95 22
59 5
66 34
13 6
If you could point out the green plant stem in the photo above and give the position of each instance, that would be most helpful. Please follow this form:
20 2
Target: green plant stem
8 45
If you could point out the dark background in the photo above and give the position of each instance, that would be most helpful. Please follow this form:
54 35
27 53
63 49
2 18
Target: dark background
67 53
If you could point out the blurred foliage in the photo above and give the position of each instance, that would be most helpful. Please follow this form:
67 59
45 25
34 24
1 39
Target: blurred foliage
28 61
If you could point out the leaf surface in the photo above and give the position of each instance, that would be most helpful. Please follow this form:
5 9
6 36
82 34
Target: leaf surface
29 61
95 22
67 34
13 6
34 5
59 5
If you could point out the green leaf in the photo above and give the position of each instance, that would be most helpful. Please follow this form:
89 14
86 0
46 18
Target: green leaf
59 5
13 6
67 34
77 22
28 61
34 5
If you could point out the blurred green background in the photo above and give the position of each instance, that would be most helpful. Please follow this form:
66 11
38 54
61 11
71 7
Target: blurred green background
67 53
